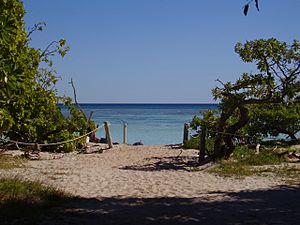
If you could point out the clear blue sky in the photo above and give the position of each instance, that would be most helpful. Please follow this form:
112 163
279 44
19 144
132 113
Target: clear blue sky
159 51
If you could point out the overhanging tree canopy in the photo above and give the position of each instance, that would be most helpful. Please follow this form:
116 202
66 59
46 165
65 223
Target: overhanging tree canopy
275 82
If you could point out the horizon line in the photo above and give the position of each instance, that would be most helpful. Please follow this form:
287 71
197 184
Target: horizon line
157 103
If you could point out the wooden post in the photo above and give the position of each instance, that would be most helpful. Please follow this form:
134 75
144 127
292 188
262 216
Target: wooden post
185 133
202 146
124 133
108 135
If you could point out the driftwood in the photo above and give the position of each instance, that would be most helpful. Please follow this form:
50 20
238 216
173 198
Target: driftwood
290 156
287 155
32 152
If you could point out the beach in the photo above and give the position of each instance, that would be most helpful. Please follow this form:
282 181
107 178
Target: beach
149 112
122 184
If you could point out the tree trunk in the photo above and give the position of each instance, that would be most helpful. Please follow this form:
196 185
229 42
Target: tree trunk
244 118
202 144
291 135
229 146
218 153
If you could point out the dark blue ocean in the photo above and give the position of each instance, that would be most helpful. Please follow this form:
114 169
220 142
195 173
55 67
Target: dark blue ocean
153 124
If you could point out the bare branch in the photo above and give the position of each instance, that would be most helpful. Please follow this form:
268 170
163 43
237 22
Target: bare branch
45 52
295 71
276 74
74 91
218 80
281 69
38 26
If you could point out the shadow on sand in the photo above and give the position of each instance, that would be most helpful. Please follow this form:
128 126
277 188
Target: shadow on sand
275 206
184 163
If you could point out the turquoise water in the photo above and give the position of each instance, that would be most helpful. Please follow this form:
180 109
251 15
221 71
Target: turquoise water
153 124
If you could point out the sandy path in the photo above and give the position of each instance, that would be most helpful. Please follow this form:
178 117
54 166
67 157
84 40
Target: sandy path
153 185
135 172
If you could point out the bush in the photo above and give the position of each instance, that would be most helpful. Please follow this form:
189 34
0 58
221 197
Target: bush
28 101
194 143
249 157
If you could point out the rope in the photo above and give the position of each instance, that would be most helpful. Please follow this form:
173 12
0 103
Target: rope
54 143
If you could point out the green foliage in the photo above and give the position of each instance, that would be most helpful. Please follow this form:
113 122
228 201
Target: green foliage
229 168
274 119
194 143
278 77
28 100
5 120
278 64
30 192
242 162
208 119
248 157
267 101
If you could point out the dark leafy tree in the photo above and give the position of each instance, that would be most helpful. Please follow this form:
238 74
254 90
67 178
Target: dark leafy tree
276 83
28 98
274 120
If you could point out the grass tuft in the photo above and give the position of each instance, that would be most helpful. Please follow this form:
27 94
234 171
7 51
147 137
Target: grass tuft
192 143
231 168
242 161
24 202
10 162
248 157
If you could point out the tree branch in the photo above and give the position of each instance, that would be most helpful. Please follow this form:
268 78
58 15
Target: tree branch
281 70
261 101
38 26
74 91
294 72
45 52
218 80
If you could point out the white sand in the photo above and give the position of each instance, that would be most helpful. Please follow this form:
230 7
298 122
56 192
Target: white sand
155 185
135 171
